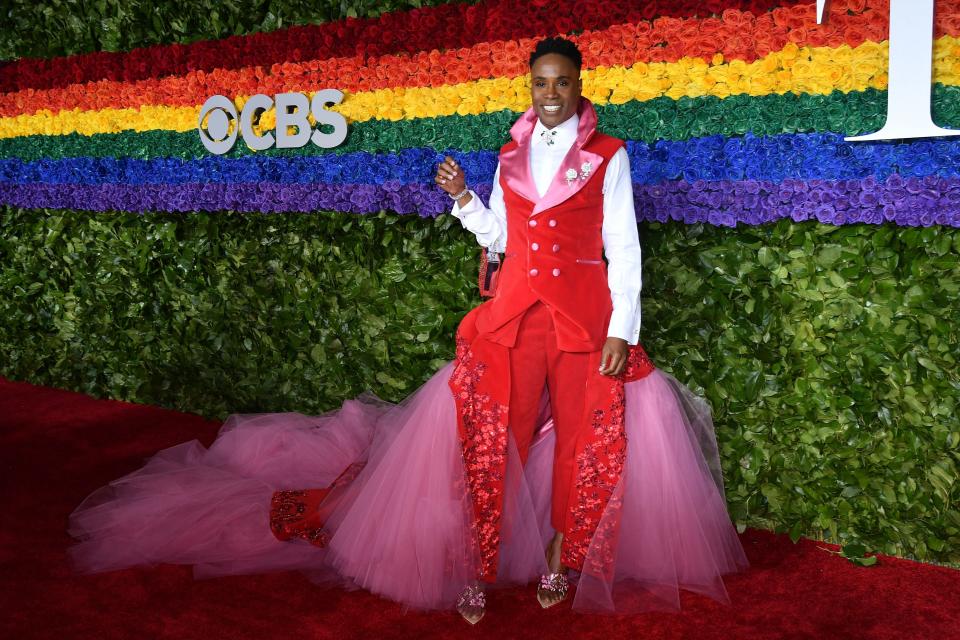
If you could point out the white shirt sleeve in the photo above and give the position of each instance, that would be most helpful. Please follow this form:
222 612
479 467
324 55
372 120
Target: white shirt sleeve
621 245
488 224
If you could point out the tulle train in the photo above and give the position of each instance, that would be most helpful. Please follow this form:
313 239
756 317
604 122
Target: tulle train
402 528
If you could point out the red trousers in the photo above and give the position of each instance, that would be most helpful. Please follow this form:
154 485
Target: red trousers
535 363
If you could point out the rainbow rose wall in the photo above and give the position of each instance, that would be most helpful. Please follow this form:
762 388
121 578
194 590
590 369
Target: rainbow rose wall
806 285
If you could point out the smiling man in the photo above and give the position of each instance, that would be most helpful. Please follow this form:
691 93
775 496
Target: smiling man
561 195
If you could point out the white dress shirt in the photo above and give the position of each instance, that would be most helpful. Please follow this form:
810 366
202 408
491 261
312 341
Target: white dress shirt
621 242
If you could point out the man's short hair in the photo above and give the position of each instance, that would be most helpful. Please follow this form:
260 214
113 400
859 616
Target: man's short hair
558 45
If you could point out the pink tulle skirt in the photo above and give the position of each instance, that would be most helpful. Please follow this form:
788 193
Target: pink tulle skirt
401 527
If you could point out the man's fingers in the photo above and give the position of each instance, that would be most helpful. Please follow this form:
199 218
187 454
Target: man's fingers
450 166
612 365
603 361
618 364
448 171
446 174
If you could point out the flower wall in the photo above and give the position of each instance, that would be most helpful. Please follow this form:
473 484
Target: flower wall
734 112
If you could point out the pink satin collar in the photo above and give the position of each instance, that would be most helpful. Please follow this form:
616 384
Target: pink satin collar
515 164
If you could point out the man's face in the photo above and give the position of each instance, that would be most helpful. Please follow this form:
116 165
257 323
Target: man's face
554 88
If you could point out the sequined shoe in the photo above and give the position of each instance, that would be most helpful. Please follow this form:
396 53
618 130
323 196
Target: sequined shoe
472 604
552 584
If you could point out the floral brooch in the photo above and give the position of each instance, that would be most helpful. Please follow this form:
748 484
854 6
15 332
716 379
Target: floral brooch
585 170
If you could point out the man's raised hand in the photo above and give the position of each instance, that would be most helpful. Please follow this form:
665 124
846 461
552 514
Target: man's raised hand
450 176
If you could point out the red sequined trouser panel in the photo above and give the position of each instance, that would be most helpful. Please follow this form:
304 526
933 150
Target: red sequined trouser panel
297 513
599 459
481 388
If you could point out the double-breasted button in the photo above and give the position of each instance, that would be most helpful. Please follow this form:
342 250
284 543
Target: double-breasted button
533 223
556 272
533 272
556 248
552 223
535 246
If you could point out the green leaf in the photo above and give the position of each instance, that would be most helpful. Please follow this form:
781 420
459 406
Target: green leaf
766 257
796 531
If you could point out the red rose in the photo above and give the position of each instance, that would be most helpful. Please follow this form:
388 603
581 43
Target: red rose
563 24
856 6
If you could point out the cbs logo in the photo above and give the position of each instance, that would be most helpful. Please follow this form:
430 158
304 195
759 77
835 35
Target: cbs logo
292 109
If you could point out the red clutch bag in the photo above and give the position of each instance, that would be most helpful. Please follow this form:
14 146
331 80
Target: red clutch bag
489 271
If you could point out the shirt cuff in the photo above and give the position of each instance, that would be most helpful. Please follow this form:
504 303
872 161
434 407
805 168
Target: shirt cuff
472 207
625 324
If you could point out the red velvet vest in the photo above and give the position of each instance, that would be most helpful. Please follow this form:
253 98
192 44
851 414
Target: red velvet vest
554 251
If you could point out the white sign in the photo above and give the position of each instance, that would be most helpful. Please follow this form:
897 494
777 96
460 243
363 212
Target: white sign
292 109
910 73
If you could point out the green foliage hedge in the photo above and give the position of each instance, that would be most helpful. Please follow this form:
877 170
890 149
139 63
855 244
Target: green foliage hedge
64 27
828 353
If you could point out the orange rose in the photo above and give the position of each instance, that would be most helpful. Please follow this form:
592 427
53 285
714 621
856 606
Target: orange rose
607 59
422 79
797 35
483 69
668 25
801 13
689 29
781 17
595 47
818 38
516 58
642 28
712 25
733 17
459 74
855 35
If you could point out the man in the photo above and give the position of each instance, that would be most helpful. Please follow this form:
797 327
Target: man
423 501
561 193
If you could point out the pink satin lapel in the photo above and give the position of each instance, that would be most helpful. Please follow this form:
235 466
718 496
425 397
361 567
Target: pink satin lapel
515 164
560 188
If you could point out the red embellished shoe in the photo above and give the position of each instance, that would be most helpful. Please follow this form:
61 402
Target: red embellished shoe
553 589
472 604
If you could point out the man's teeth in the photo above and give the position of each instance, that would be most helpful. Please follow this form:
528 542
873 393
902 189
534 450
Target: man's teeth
551 107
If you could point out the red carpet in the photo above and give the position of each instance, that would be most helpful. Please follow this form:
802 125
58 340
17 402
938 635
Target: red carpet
58 446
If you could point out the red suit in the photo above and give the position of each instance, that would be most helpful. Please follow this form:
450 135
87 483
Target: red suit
544 327
553 252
